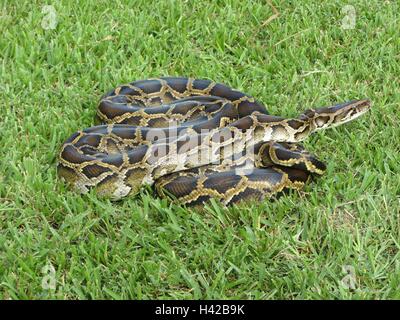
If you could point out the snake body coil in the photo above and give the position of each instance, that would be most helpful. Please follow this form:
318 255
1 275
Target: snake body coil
195 140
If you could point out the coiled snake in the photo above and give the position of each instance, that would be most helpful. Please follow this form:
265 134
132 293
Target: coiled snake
195 140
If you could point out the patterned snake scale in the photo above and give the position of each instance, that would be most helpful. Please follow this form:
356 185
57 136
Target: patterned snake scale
195 140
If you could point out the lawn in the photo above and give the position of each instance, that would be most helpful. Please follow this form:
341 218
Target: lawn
339 238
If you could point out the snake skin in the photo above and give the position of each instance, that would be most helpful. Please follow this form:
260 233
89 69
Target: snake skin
195 140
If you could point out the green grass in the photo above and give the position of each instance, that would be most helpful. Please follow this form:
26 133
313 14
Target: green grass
296 247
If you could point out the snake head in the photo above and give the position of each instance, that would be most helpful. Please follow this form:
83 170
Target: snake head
332 116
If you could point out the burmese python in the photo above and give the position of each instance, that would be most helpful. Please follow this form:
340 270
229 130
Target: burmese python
195 140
